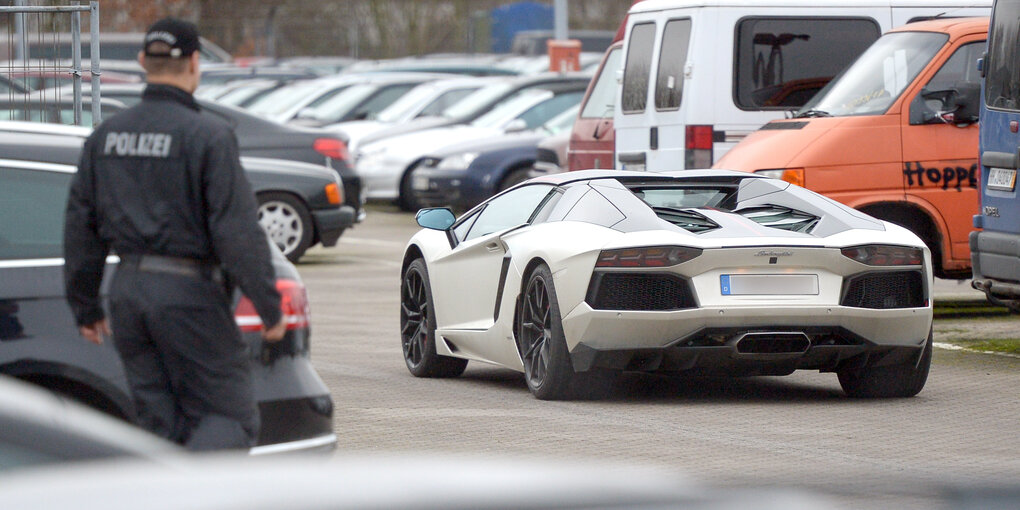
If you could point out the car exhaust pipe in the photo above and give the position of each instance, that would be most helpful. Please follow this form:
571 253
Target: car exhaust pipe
771 344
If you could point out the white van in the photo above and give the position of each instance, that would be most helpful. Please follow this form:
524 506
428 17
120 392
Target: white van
700 75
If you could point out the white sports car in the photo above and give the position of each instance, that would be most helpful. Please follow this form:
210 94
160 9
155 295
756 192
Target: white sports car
574 277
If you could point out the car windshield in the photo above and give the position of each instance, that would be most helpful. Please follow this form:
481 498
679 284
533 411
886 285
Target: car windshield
512 107
878 77
409 103
472 104
284 98
338 105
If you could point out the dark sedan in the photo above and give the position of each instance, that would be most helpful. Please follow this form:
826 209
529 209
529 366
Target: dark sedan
266 139
39 341
463 175
299 204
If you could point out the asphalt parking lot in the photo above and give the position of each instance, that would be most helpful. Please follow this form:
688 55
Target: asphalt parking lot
798 430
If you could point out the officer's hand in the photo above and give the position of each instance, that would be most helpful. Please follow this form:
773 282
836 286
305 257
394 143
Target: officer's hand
275 333
94 332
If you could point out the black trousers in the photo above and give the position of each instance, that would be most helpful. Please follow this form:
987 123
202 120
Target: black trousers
186 364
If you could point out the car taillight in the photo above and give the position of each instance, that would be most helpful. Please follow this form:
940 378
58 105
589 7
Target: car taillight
333 193
884 255
698 141
652 256
332 148
790 175
293 304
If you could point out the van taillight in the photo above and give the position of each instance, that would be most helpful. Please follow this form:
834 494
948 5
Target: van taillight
332 148
698 142
293 303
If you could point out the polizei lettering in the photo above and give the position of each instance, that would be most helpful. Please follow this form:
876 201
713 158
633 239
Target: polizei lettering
955 177
152 145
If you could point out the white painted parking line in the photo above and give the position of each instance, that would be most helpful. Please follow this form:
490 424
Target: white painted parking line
372 242
952 347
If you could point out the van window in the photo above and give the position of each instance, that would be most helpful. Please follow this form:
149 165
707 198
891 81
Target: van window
639 64
782 62
603 95
1002 83
669 82
956 74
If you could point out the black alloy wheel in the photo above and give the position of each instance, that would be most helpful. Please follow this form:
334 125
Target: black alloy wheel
540 340
418 327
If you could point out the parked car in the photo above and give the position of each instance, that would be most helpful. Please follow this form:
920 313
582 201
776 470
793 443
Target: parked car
360 101
36 79
258 137
462 175
593 139
699 76
42 107
38 427
41 343
386 164
995 248
286 103
226 74
918 123
551 155
299 203
574 277
113 47
429 99
472 106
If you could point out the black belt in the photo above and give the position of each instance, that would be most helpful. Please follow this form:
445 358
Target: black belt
173 265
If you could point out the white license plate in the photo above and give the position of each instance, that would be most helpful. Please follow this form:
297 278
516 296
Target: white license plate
1002 179
768 284
419 183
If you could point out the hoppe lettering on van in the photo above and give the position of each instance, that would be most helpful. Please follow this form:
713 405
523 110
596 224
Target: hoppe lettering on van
956 177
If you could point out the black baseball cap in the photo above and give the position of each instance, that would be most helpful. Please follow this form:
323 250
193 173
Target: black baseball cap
181 36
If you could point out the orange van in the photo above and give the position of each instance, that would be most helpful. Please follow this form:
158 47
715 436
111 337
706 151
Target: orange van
895 136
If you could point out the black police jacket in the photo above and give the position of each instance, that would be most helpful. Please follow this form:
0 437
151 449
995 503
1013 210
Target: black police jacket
164 178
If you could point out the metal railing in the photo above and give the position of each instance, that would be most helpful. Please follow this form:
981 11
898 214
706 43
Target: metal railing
74 11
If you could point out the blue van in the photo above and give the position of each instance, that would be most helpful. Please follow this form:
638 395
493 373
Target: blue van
995 250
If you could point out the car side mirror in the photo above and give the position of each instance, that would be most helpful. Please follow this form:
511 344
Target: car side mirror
958 105
306 113
435 218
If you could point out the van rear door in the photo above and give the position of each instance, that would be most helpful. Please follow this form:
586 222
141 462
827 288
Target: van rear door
643 104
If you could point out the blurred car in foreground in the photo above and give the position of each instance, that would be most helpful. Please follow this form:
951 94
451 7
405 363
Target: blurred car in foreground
41 344
412 482
575 277
38 427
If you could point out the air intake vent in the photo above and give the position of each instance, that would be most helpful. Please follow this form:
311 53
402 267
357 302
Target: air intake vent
635 291
884 290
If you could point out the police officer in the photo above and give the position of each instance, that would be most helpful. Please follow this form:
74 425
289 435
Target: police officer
162 186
